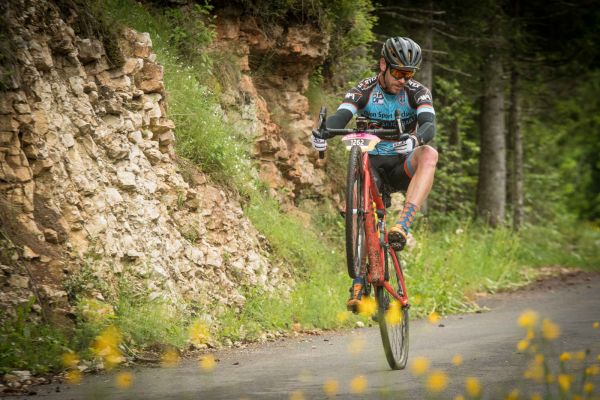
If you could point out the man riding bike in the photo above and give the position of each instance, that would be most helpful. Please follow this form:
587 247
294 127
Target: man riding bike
405 165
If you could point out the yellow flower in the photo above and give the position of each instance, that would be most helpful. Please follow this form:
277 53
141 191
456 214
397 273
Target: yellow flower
73 377
593 369
124 379
566 356
358 385
419 365
433 317
472 386
458 397
393 315
170 358
357 345
513 395
331 387
342 316
199 333
535 372
588 387
564 381
550 330
580 355
367 306
539 359
528 319
457 360
296 395
549 378
523 345
437 381
106 346
596 325
576 397
536 396
530 334
70 359
207 363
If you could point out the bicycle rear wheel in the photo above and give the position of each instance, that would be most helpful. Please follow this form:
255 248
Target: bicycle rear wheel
393 319
355 232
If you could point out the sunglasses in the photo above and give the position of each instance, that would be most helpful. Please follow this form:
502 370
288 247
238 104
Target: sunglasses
398 74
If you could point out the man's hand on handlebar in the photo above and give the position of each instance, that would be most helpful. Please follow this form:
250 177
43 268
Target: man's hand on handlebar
318 143
406 146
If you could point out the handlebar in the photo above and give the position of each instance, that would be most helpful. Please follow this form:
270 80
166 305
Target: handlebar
322 132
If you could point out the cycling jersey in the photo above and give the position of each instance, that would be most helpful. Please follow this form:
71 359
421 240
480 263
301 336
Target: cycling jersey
370 100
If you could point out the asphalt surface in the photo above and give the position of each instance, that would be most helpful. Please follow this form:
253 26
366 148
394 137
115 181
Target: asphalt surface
300 366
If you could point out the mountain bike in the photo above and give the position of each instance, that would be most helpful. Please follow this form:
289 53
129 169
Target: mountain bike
366 235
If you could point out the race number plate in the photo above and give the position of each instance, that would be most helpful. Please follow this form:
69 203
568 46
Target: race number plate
365 141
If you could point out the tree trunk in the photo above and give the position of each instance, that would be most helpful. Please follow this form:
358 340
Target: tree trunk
491 190
426 71
517 149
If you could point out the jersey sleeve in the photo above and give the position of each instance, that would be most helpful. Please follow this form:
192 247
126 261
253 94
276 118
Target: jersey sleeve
423 101
357 98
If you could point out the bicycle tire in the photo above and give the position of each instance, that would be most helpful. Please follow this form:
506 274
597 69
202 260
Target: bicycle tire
394 334
355 234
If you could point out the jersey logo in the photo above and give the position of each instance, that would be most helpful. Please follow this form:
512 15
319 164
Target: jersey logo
366 83
354 96
377 98
424 97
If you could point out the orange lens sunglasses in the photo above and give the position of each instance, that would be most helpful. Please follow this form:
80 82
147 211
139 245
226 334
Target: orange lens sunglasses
398 74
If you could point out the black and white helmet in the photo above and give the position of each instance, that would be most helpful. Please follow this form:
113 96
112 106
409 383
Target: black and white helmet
402 53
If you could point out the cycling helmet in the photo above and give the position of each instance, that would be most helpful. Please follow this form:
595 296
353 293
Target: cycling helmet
401 53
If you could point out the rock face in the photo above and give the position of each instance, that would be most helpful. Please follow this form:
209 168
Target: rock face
276 96
89 180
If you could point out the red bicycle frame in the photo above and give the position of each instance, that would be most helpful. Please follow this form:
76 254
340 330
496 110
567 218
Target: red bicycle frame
373 203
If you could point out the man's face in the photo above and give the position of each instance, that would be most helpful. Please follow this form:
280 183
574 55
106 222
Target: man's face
392 85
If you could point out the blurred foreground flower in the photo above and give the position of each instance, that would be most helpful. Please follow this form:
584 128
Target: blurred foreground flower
170 358
457 360
393 315
437 381
566 356
199 333
342 316
523 345
513 395
564 381
296 395
70 359
550 330
331 387
73 376
472 386
419 365
434 317
367 306
124 380
596 325
358 385
106 346
528 319
207 363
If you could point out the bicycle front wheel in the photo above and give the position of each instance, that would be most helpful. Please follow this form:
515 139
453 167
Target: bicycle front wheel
393 320
355 232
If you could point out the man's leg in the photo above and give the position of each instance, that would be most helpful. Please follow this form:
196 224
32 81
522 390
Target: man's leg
420 167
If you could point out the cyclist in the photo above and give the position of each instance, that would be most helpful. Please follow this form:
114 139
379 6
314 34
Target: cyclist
406 165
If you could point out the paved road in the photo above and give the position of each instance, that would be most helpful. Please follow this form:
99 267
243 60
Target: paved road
486 341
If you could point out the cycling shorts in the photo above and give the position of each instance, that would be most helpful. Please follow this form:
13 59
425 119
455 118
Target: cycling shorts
394 171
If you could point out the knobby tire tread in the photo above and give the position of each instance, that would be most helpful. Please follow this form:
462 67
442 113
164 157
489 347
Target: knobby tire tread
354 180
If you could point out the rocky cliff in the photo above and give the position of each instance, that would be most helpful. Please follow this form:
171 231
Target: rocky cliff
89 181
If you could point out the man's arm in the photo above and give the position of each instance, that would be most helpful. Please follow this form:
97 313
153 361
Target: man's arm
426 127
339 120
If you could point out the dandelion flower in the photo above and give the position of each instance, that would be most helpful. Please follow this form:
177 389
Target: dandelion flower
207 363
539 359
433 317
513 395
342 316
523 345
535 372
596 325
124 379
530 334
536 396
437 381
550 330
472 386
73 377
367 306
331 387
588 387
566 356
457 360
358 385
419 365
170 358
297 395
199 333
393 315
70 359
528 319
458 397
564 381
593 369
106 346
